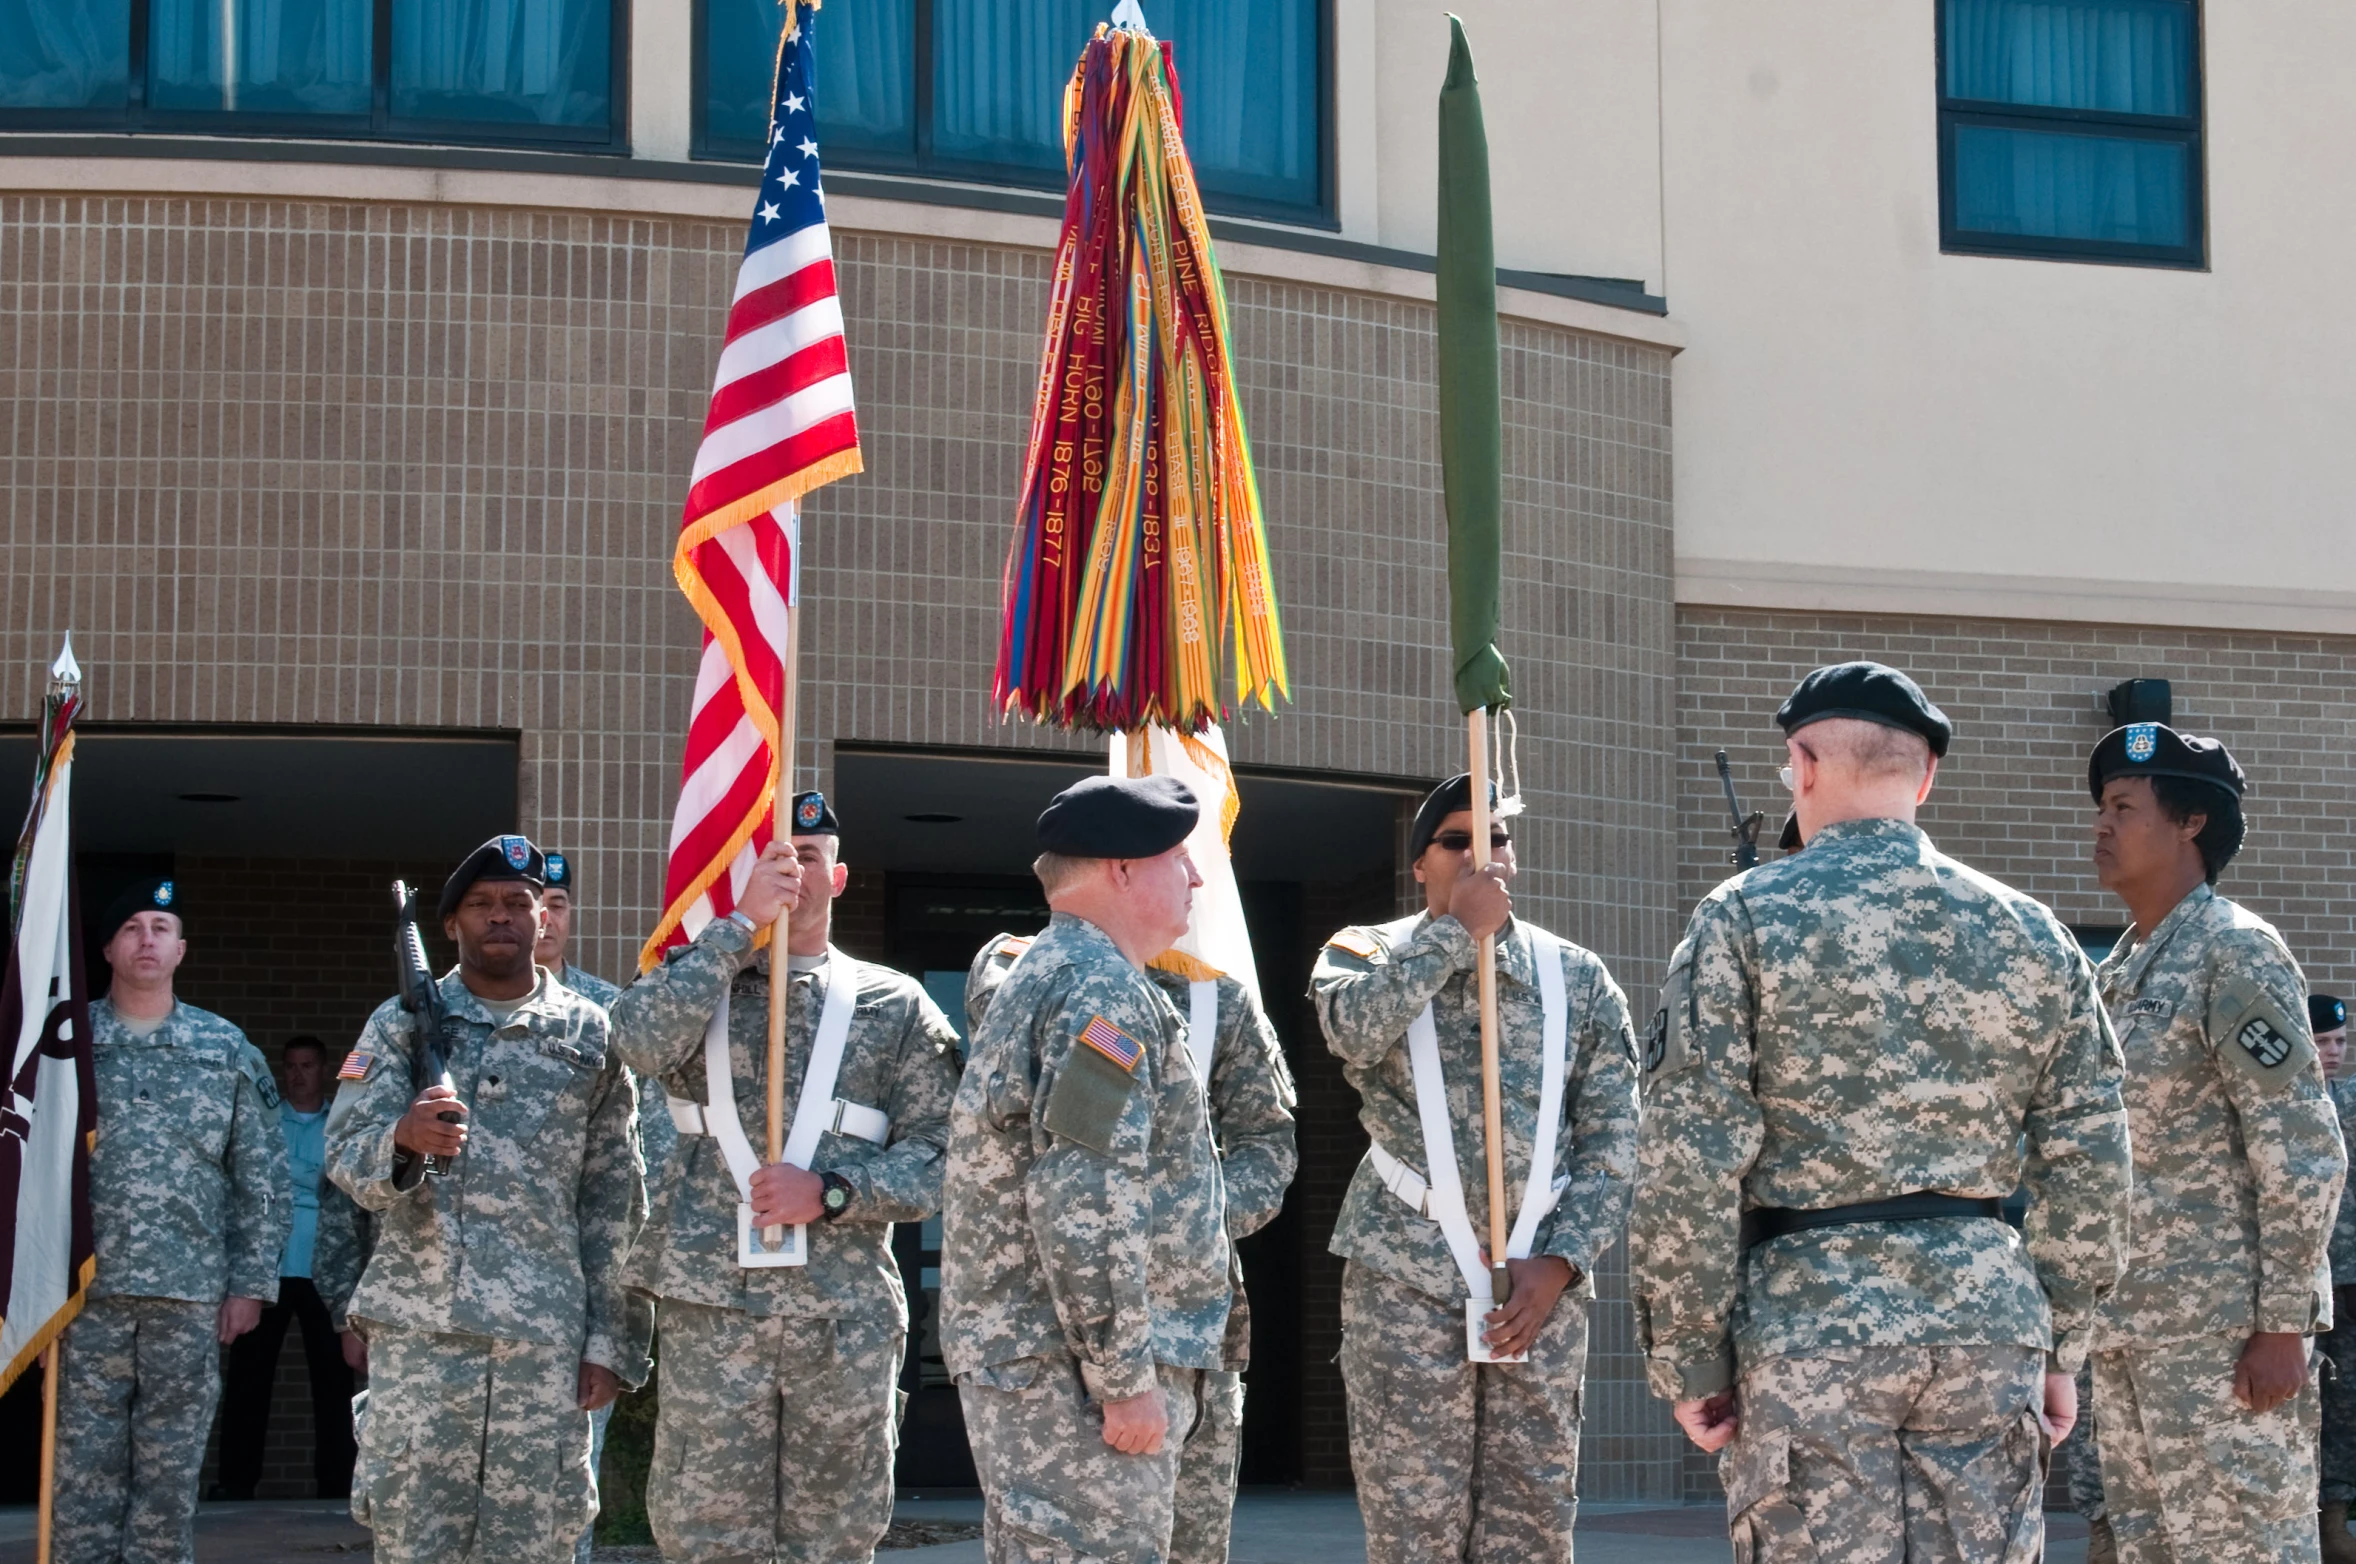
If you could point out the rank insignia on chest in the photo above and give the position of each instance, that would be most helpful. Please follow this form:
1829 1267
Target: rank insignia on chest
1110 1041
2262 1042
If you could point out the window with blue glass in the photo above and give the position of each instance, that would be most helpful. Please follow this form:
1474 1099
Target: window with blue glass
526 72
2071 129
973 89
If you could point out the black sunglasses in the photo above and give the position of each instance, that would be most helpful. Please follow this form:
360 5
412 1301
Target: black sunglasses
1461 841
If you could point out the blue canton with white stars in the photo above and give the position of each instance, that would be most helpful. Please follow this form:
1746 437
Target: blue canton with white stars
791 199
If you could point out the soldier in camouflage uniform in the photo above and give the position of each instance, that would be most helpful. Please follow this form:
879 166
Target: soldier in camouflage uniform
779 1413
1085 1262
1861 1051
2327 1019
1251 1099
2202 1371
656 1133
1459 1460
493 1303
189 1210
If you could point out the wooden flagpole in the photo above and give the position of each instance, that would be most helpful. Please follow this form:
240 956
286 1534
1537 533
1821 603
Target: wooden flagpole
1492 1095
781 829
48 1450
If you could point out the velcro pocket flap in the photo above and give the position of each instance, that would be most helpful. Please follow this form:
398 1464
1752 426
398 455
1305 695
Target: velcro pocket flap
1087 1099
1756 1468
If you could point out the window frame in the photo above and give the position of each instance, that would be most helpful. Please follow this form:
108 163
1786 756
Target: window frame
703 147
2189 131
378 124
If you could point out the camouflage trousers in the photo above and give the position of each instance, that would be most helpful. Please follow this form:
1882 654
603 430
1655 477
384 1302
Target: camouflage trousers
2189 1475
2080 1455
2335 1461
1470 1463
1204 1510
473 1447
1889 1455
1054 1492
773 1437
137 1382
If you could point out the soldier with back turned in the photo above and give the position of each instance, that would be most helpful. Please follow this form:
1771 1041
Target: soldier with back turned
1861 1050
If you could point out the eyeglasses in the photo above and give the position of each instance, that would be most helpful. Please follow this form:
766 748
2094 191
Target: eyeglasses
1461 841
1790 786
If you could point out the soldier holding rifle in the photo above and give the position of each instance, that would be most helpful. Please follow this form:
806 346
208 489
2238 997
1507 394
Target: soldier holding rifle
1860 1051
506 1200
1464 1425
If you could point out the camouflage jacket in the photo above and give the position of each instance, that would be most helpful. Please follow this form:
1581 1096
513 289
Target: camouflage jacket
1085 1213
2238 1161
1868 1019
188 1190
1251 1098
1370 983
898 1059
2343 1227
524 1238
657 1135
339 1253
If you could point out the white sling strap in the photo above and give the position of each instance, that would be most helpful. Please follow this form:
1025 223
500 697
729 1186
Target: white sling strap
1440 1194
1202 1026
815 1112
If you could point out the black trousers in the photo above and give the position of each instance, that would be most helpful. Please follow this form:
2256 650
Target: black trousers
245 1400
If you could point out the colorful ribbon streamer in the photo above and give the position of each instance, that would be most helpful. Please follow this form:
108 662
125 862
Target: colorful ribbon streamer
1139 552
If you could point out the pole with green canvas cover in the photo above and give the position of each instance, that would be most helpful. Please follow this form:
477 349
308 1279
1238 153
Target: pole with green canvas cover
1472 467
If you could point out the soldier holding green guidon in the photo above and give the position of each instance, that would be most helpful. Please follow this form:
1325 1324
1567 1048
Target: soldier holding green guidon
1861 1050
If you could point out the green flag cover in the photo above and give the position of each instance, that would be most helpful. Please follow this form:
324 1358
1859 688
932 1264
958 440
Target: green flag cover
1472 440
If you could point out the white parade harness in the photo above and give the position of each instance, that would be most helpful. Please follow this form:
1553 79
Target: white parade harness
816 1111
1441 1197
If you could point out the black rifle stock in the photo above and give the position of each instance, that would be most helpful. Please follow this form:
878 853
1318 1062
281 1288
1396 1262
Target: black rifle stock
421 997
1745 828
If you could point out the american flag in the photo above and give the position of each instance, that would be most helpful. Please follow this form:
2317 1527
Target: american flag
780 424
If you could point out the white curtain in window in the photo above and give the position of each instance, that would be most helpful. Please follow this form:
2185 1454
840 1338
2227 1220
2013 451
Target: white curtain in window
2073 186
64 56
259 56
2110 56
541 60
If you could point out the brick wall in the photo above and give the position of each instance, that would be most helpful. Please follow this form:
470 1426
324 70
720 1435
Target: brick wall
2011 795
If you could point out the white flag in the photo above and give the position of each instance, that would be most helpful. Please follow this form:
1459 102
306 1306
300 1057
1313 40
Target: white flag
1216 942
48 1112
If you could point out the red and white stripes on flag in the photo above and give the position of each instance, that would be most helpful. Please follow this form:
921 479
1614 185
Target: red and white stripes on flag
49 1109
781 423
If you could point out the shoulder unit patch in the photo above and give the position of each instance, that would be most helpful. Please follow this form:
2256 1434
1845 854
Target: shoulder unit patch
2263 1043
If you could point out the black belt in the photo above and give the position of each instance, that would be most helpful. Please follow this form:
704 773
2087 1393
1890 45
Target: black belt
1775 1221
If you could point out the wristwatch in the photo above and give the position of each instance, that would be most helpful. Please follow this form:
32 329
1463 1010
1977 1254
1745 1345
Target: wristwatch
835 1198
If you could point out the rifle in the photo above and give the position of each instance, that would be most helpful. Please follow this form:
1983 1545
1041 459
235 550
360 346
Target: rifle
1745 829
421 996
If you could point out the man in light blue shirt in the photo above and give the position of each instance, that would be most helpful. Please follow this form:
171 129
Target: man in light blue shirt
316 1273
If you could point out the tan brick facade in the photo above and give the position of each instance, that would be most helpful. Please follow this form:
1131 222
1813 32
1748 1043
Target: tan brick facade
418 466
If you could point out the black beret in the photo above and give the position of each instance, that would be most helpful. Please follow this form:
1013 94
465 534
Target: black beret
156 893
2153 749
1438 804
814 816
557 870
1790 840
1869 692
500 858
2326 1013
1119 817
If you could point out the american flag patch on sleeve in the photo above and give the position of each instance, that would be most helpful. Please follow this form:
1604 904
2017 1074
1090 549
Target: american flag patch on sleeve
1110 1041
355 1067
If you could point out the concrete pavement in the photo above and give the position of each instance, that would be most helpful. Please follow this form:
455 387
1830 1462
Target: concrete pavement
1271 1527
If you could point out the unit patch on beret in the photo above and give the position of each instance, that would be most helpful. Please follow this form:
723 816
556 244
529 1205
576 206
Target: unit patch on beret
516 850
810 810
559 871
164 894
2143 741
